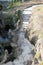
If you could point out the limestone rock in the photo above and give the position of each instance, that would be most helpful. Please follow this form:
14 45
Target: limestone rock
36 23
35 33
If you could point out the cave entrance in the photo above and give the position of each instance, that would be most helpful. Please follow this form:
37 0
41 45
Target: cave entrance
0 21
9 48
1 7
7 27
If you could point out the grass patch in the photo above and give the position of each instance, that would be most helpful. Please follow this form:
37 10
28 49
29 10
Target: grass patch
14 4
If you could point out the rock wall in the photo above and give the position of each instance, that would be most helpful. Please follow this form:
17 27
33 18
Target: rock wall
4 3
35 33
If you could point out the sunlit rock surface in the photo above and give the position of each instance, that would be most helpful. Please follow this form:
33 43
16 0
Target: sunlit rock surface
36 22
36 33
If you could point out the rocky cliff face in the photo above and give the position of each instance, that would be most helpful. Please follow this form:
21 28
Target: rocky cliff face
24 51
21 52
36 33
4 3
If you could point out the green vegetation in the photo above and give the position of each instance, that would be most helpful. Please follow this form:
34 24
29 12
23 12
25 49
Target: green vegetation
14 3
